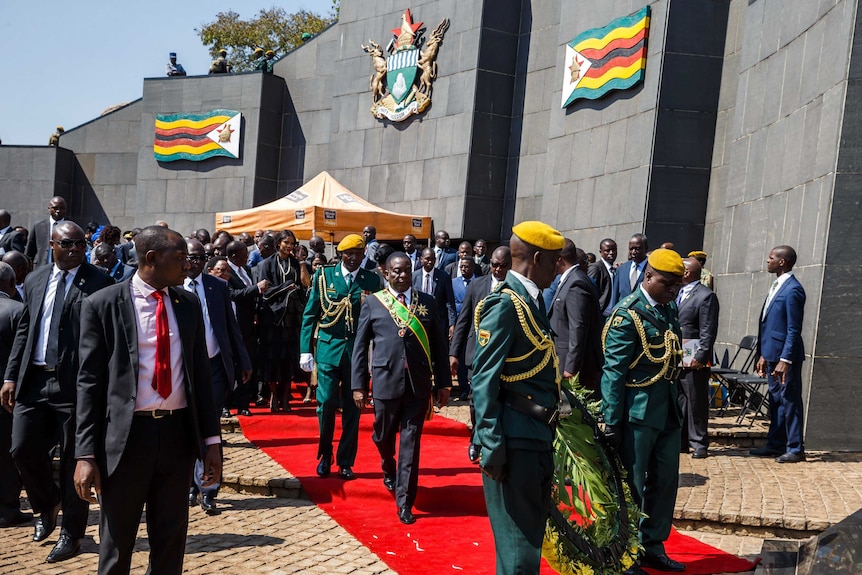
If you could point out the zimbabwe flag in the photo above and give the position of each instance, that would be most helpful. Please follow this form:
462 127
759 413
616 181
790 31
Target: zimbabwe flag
609 58
197 137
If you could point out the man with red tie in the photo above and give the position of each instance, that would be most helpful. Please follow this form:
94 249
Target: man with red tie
145 406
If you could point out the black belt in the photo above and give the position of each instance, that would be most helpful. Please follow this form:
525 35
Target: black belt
44 368
546 415
159 413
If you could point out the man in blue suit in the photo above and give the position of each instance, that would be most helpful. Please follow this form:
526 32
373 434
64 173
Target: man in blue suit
779 345
225 348
433 281
627 279
443 254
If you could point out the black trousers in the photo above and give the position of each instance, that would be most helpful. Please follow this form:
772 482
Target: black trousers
694 404
37 426
10 481
406 416
221 385
155 470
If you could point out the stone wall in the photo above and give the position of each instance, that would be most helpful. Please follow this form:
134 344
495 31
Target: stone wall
32 175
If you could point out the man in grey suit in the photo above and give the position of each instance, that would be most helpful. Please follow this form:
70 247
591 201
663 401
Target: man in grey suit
698 320
576 322
409 348
39 385
438 284
38 247
603 271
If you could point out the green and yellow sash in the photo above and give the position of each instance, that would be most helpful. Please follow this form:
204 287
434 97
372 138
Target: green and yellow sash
406 318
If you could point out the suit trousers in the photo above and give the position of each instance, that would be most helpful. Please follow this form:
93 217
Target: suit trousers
333 391
405 415
785 410
518 509
694 405
37 426
221 385
155 470
651 458
10 481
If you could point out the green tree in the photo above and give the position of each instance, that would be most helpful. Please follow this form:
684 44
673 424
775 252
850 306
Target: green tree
272 29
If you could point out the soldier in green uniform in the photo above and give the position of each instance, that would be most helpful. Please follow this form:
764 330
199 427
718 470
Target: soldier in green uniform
516 390
328 332
642 343
270 62
259 60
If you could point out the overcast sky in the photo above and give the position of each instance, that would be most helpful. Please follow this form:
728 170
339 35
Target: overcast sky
65 61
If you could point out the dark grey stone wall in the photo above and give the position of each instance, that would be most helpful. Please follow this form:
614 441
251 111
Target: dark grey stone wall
32 175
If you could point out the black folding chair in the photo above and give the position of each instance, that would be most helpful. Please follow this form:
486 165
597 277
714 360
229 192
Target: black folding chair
726 370
756 396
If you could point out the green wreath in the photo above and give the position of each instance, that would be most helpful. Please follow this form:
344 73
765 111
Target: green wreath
592 527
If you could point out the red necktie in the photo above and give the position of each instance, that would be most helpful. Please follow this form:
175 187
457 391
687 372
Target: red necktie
162 373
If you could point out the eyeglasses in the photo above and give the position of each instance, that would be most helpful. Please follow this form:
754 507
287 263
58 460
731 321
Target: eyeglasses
67 244
196 258
498 265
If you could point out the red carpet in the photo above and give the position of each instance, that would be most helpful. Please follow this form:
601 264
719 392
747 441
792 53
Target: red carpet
452 532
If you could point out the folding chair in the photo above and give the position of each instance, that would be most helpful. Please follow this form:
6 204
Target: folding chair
722 373
756 396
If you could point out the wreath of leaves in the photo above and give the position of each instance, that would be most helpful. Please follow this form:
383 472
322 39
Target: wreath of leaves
592 527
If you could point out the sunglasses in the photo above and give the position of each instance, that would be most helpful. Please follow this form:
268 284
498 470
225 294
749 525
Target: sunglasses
498 265
196 258
67 244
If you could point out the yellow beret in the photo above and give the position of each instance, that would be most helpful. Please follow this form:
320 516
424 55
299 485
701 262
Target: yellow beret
258 51
668 261
697 255
351 241
539 234
60 129
270 53
222 51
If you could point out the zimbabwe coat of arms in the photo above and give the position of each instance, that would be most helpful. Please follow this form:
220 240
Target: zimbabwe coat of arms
401 83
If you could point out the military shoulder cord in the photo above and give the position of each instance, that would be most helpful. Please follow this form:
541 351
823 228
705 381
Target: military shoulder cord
670 345
333 309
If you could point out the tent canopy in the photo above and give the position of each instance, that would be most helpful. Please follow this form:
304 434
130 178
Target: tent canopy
325 208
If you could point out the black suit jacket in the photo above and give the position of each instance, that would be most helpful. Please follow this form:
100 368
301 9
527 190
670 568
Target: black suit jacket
108 376
88 280
224 326
12 240
123 272
447 256
444 297
37 242
11 312
577 325
464 337
246 299
604 284
698 319
390 350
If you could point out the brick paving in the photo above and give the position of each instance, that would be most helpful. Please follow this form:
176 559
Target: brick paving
729 500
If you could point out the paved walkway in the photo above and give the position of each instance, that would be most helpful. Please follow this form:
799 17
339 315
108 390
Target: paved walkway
267 526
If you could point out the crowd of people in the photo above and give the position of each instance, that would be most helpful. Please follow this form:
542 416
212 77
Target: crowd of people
108 338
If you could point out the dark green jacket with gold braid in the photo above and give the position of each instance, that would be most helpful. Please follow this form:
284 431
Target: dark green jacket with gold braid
632 390
504 351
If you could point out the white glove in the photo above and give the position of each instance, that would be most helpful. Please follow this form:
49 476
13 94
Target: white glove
306 362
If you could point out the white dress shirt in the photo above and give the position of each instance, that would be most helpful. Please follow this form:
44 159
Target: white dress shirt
345 273
198 289
395 295
530 285
48 310
240 273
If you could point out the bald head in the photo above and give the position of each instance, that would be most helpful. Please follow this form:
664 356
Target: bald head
7 279
692 271
20 264
5 218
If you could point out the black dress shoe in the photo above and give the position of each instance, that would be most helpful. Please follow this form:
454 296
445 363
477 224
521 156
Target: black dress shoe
65 548
45 524
208 504
389 482
791 457
244 412
260 402
405 515
662 563
346 473
765 452
473 452
193 499
324 467
700 453
225 412
16 518
635 570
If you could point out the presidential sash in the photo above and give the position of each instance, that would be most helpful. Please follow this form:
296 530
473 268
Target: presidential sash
406 318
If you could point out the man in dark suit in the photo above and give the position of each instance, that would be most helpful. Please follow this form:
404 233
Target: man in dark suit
245 294
779 345
9 238
369 235
576 322
225 349
480 256
105 256
603 272
630 274
409 348
463 344
145 406
442 252
436 283
38 247
40 383
465 250
698 319
415 255
10 481
21 266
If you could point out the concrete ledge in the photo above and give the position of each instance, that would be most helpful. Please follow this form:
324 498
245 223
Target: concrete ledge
287 487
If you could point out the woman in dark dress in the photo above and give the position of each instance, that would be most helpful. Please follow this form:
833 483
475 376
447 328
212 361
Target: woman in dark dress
281 317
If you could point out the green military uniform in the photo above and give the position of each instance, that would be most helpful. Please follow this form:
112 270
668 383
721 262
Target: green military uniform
260 64
515 367
639 398
707 279
330 319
